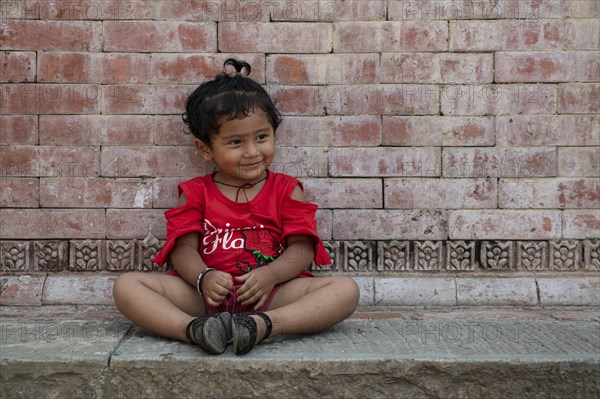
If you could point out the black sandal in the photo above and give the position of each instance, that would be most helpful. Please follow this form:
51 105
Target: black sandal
244 331
212 333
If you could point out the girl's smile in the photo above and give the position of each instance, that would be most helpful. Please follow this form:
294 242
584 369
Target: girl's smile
243 149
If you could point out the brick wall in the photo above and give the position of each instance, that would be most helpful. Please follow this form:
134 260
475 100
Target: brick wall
434 135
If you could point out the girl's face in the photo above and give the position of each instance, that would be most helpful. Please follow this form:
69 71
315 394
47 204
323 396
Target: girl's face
243 149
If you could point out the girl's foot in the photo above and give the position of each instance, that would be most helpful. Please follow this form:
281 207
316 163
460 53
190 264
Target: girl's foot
211 333
245 330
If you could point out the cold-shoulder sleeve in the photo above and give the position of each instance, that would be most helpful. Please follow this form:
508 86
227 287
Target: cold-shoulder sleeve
298 218
180 221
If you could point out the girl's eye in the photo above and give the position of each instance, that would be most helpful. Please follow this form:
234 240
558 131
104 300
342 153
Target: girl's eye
234 142
262 137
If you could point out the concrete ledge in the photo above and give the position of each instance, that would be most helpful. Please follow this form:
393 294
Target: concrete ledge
409 290
472 356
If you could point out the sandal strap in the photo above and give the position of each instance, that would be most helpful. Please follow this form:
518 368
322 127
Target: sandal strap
268 323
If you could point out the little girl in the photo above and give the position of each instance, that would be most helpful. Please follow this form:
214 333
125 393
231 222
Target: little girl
241 238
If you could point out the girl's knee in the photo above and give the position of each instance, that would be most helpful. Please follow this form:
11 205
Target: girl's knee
350 290
124 283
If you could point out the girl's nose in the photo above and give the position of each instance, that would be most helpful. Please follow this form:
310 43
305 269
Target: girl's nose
251 150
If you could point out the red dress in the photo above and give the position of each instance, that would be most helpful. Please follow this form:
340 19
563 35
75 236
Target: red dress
237 237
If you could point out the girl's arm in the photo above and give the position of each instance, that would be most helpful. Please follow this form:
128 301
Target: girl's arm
259 283
189 264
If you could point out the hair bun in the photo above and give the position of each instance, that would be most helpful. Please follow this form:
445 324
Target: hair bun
239 65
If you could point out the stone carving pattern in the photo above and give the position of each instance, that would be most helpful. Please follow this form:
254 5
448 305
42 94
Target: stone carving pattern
120 255
460 255
429 255
333 251
50 256
591 254
532 255
358 256
14 256
497 255
565 255
393 256
147 249
85 256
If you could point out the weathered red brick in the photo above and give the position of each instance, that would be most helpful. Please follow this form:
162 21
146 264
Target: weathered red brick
500 162
555 66
135 223
374 224
18 129
549 193
164 192
160 36
466 68
545 130
323 69
506 35
224 10
326 131
57 223
50 35
144 99
427 10
438 131
93 68
170 130
152 161
582 34
504 224
21 291
579 98
496 99
33 98
39 161
196 68
320 10
324 218
17 66
95 193
19 192
579 161
409 68
305 100
389 36
385 161
407 99
344 193
440 193
280 37
581 224
69 10
301 161
95 130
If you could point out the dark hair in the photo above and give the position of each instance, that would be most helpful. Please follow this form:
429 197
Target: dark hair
232 97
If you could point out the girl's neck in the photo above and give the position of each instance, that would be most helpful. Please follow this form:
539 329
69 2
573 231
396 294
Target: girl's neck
249 189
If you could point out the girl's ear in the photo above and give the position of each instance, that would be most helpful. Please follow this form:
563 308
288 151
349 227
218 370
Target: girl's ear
204 150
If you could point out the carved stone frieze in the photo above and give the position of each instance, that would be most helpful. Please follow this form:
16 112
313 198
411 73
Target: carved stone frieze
591 254
358 256
565 255
50 256
333 251
85 256
147 248
14 256
429 255
460 255
532 255
120 255
497 255
393 256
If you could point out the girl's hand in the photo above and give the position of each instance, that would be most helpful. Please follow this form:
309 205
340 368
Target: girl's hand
257 286
215 287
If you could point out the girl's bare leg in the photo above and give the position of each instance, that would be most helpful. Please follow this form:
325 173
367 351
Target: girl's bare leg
309 305
159 303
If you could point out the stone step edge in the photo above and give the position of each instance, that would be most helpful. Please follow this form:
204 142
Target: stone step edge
468 290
